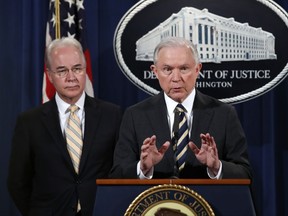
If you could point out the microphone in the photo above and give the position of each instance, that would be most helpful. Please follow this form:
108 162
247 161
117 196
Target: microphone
175 138
175 130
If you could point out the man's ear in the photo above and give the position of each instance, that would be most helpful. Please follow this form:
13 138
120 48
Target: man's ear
49 75
198 68
154 69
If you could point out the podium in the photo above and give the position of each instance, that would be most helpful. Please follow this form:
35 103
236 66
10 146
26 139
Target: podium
226 197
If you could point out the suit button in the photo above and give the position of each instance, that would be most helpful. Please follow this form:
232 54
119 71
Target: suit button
78 182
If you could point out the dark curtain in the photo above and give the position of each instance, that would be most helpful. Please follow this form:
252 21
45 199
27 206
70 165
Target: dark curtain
22 44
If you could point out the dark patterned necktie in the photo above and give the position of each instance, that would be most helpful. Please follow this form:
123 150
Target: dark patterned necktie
183 137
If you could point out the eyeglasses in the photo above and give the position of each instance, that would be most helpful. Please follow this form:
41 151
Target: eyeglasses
169 70
64 71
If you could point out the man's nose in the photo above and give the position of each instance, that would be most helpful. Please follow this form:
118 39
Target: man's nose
70 74
176 74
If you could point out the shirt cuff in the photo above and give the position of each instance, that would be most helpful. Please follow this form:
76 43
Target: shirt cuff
141 175
219 174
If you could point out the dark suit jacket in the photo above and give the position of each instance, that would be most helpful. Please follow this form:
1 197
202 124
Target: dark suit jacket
42 180
149 118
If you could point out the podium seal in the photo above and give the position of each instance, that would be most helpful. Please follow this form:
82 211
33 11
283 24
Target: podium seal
169 200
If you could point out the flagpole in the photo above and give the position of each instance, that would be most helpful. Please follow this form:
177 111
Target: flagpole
57 17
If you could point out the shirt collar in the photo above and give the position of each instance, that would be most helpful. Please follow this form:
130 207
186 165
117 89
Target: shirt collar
63 106
187 103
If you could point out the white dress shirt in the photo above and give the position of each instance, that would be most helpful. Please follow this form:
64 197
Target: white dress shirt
63 114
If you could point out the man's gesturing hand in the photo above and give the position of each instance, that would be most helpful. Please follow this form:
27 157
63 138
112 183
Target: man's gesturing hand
150 155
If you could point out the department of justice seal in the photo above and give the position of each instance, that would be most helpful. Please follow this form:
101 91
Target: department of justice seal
243 53
169 200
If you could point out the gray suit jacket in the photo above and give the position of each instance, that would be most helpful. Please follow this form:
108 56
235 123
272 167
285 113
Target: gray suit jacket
149 118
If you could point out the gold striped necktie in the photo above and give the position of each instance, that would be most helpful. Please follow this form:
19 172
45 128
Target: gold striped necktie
73 134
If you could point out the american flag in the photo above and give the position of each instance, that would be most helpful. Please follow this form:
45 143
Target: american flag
67 19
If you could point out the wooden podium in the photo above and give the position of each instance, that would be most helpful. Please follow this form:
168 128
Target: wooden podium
227 197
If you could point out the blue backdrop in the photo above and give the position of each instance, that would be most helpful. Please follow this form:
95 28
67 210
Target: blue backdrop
22 44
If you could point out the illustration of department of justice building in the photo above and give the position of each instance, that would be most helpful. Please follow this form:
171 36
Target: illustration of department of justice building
217 38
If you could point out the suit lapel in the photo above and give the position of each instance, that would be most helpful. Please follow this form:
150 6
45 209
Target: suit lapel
202 116
52 123
156 115
92 121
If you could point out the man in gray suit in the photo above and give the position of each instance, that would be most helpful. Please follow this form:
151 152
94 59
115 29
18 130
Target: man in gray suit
146 147
42 178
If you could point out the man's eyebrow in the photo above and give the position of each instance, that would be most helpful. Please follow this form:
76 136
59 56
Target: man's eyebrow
77 65
64 67
61 67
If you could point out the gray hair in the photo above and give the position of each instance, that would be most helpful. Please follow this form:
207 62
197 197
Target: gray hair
176 42
62 42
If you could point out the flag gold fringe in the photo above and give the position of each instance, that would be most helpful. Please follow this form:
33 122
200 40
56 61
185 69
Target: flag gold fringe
57 17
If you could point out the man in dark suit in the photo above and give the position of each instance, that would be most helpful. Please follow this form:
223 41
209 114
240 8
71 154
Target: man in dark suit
147 148
42 179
